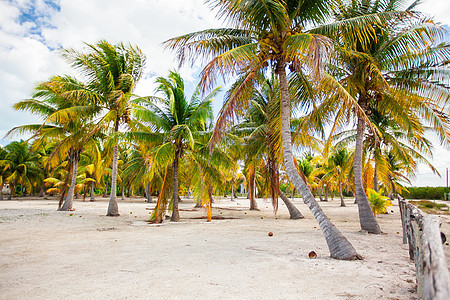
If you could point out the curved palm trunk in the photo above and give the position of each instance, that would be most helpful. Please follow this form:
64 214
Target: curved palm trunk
341 195
366 218
68 203
175 213
338 245
294 213
113 209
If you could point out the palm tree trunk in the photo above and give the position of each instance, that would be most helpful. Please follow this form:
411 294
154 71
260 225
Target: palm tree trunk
92 193
341 195
63 190
148 193
326 193
105 192
175 213
294 213
375 178
320 193
232 190
113 209
366 218
42 191
123 192
68 203
225 189
251 190
338 245
392 196
10 191
210 195
1 192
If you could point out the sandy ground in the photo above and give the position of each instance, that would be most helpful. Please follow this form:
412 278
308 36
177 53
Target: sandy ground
45 254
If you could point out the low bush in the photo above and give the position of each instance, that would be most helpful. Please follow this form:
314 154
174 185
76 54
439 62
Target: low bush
431 208
428 192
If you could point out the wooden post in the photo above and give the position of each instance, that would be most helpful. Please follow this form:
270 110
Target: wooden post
401 205
436 284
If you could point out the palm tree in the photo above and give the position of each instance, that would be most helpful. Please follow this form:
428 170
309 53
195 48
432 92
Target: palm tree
206 171
22 166
268 33
174 122
263 138
339 164
66 123
3 173
112 72
91 168
136 171
399 70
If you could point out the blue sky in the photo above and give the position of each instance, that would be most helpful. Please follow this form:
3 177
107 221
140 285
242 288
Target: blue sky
32 31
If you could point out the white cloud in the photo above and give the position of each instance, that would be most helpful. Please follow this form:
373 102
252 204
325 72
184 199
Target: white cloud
438 9
31 30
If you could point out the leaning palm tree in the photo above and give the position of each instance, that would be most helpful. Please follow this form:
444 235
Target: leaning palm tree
270 34
112 72
399 70
174 123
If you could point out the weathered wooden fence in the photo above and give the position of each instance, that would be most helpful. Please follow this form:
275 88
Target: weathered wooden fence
422 233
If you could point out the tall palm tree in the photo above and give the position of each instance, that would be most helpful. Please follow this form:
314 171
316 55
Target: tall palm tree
260 128
270 34
66 123
112 72
399 68
174 122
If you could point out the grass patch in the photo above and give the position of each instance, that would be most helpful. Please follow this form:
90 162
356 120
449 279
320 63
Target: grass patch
432 208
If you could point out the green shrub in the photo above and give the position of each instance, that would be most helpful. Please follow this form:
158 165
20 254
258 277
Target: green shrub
428 192
378 202
430 207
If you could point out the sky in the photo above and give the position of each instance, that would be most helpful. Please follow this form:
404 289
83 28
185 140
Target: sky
33 31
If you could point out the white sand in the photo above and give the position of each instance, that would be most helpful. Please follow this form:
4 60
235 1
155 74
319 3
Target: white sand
45 254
